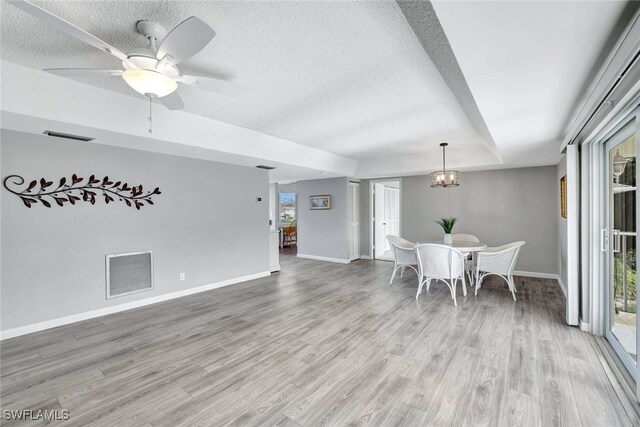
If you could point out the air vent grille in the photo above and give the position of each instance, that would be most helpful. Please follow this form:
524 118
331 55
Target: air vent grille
68 136
129 273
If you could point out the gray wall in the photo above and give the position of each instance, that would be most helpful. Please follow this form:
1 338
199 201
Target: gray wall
54 259
499 206
562 224
323 233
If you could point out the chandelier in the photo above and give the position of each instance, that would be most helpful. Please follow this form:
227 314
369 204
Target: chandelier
444 178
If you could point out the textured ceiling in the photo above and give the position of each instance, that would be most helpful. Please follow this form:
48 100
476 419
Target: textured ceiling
359 79
350 78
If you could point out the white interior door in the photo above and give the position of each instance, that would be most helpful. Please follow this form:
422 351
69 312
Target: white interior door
353 200
391 212
379 220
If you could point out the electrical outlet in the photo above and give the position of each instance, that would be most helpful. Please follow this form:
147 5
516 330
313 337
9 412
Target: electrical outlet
258 199
182 277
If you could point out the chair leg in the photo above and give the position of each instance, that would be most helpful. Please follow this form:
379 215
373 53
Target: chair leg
420 289
393 275
453 291
402 271
478 282
512 285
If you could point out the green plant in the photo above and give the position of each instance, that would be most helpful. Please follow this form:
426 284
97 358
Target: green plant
447 224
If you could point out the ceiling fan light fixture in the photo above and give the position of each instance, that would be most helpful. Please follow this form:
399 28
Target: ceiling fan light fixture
149 82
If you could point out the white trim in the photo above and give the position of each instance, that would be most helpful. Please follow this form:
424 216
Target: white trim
365 257
572 287
536 274
48 324
584 326
323 258
543 276
372 183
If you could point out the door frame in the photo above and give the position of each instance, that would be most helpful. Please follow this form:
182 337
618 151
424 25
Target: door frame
627 128
356 203
372 210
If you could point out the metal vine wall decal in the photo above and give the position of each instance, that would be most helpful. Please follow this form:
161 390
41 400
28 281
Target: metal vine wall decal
76 190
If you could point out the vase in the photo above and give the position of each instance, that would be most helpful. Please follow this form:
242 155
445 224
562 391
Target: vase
448 239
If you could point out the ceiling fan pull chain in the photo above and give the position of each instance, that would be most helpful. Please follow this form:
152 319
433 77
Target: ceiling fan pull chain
150 115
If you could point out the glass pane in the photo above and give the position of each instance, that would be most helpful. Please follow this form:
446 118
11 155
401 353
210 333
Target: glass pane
287 207
622 163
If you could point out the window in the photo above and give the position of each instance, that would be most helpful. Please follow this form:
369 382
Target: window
287 207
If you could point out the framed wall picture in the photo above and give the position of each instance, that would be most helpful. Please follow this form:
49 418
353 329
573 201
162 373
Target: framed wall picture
563 196
320 202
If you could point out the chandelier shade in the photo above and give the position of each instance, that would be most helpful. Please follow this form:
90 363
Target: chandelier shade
444 178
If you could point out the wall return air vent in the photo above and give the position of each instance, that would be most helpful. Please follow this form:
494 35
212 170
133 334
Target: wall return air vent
129 273
68 136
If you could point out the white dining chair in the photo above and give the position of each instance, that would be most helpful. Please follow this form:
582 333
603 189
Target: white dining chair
499 261
468 262
465 238
440 263
404 255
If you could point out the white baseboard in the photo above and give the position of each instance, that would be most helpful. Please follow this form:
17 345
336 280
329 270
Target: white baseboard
365 257
584 326
48 324
322 258
543 276
562 287
536 274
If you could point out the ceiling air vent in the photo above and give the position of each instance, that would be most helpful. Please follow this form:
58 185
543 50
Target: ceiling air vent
265 167
68 136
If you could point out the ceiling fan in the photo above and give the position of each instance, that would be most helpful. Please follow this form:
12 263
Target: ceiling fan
150 70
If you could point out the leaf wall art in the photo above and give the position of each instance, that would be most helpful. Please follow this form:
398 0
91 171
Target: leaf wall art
78 189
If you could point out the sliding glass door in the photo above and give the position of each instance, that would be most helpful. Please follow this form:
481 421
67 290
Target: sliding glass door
621 245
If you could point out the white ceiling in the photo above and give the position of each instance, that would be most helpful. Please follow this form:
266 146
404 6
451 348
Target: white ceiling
526 64
352 78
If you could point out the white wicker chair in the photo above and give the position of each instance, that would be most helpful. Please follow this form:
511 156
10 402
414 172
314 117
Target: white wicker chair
499 261
468 262
465 238
440 262
404 255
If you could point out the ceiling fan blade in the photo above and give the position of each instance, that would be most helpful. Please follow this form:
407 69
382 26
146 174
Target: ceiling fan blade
185 40
216 85
173 101
62 25
82 72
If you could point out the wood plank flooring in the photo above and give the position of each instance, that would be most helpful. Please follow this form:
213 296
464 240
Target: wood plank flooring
320 344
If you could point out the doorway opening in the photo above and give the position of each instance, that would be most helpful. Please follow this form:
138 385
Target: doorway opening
386 197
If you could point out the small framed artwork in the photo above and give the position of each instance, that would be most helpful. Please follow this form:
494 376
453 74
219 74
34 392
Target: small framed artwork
563 196
320 202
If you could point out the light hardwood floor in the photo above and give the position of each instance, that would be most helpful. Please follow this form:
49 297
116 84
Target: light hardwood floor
320 344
